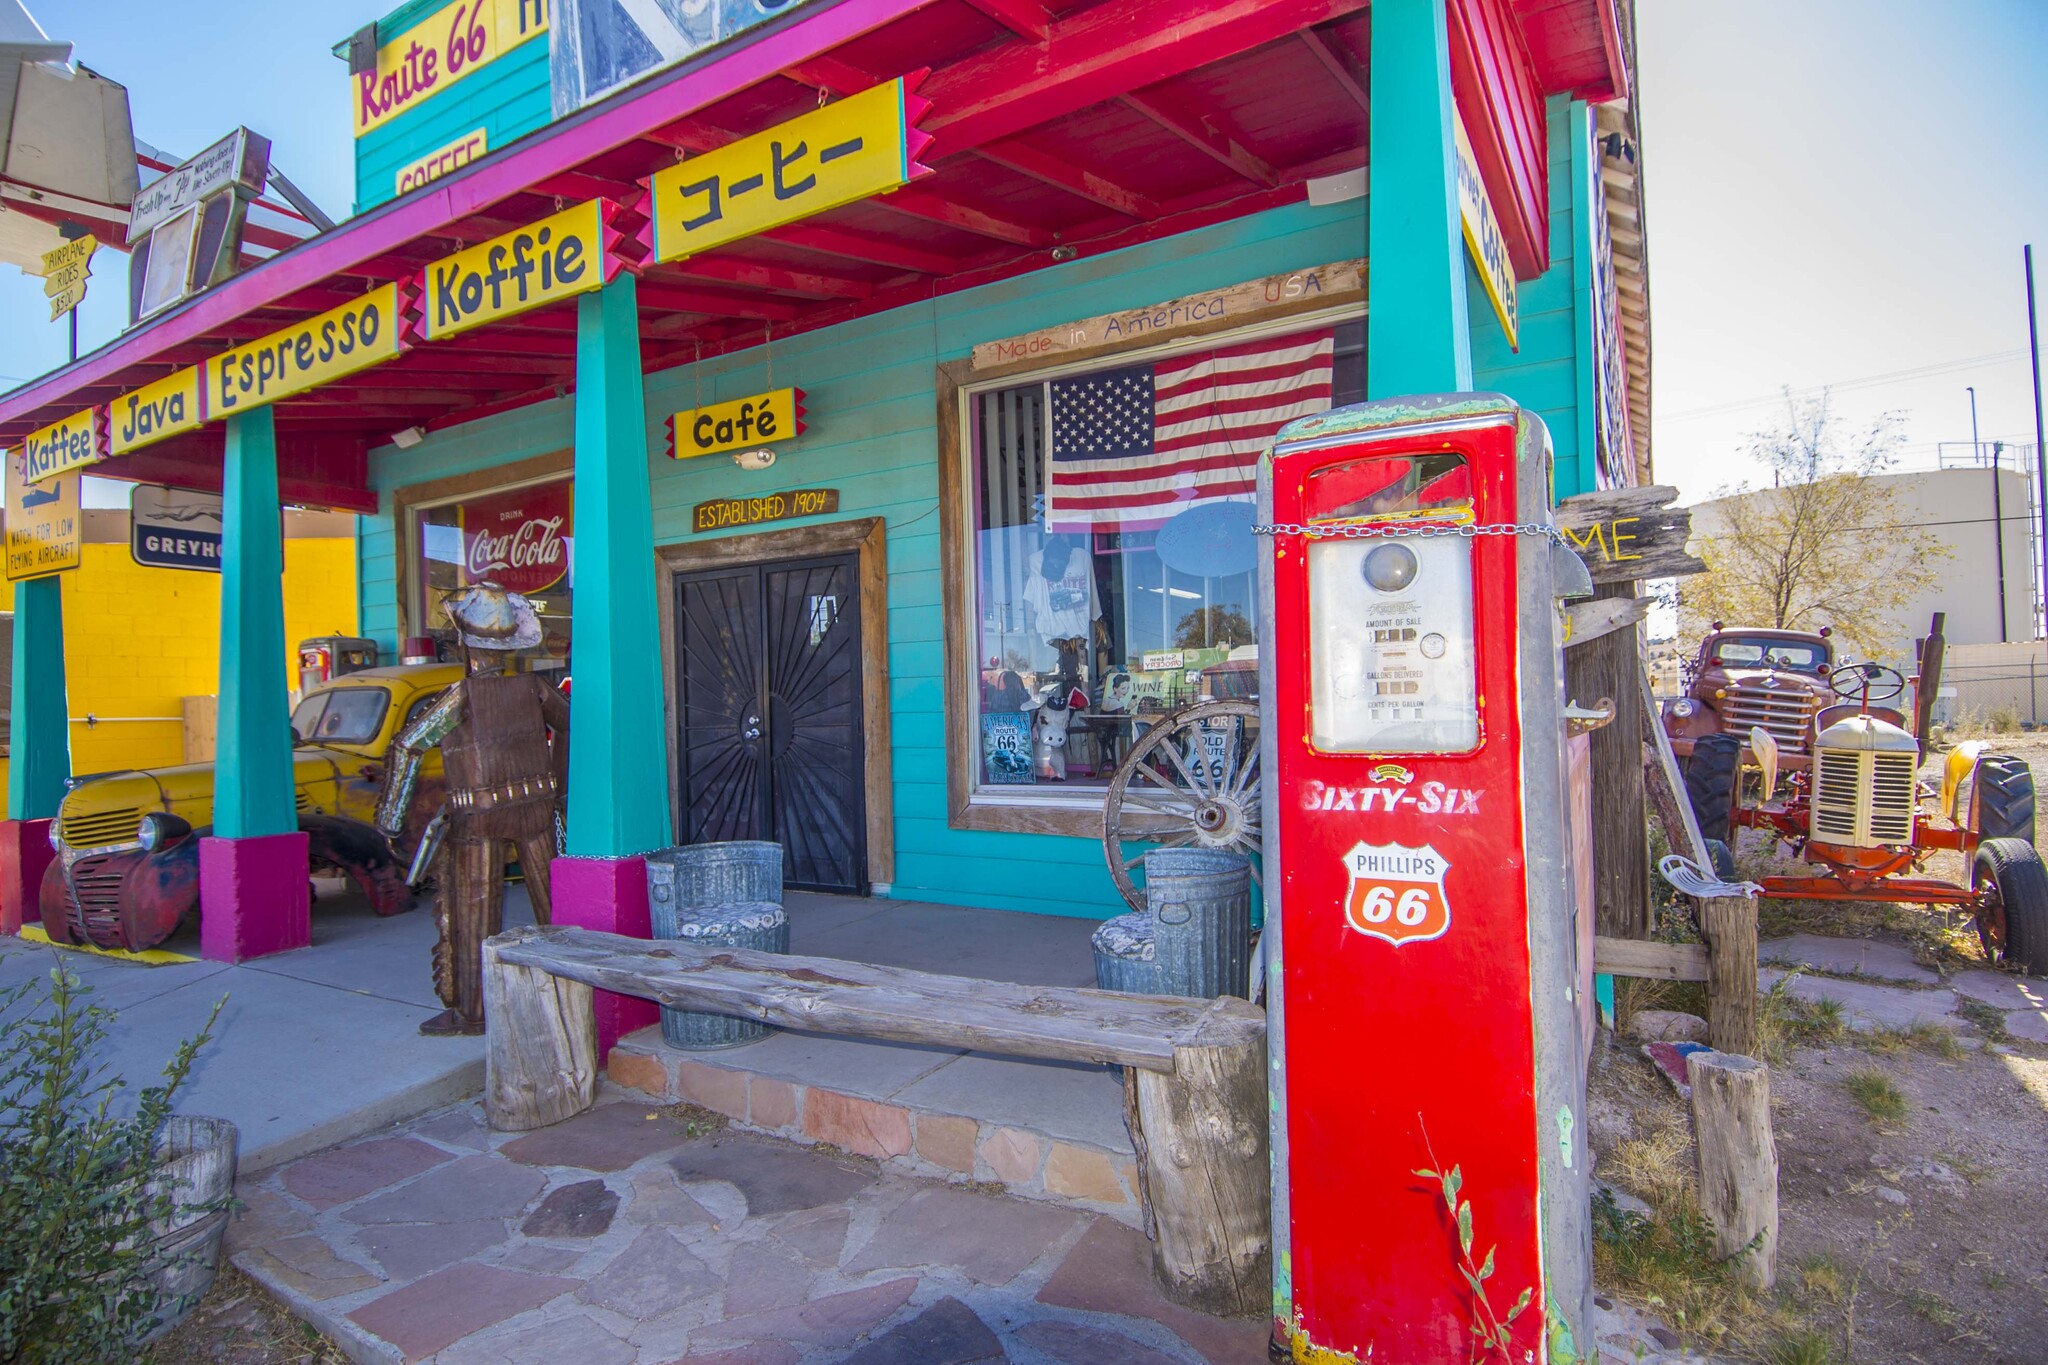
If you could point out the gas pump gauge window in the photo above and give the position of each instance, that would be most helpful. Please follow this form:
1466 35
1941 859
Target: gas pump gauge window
1391 660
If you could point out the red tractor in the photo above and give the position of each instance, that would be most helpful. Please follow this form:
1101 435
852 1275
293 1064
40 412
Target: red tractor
1858 812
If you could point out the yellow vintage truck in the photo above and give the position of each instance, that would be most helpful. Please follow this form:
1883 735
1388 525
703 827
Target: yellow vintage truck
127 867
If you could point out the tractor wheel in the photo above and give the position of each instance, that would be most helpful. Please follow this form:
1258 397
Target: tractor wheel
1710 776
1721 860
2005 798
2016 915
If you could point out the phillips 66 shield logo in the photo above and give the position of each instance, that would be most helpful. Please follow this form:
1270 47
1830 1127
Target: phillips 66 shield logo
1397 892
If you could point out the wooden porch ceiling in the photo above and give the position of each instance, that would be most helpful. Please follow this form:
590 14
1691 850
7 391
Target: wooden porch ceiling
1072 127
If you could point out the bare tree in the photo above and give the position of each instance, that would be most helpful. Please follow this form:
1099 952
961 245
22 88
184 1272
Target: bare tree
1827 544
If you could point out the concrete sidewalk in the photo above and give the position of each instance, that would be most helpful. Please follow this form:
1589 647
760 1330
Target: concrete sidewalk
312 1047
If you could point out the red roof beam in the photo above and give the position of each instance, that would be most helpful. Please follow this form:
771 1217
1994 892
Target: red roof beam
861 246
673 298
754 275
1027 20
1204 133
1062 173
1348 79
940 209
1100 53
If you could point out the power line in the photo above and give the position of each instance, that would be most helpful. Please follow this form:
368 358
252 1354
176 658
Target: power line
1846 385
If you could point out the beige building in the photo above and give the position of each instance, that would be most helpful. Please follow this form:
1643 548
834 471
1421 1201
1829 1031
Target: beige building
1965 509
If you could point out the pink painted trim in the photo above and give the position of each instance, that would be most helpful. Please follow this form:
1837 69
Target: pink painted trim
485 182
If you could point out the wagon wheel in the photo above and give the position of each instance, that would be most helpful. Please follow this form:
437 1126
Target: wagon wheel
1192 781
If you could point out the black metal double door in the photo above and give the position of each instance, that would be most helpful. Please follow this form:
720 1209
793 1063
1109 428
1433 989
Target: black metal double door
769 676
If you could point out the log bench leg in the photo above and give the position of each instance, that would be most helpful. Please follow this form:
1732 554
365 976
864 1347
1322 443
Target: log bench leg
540 1044
1207 1180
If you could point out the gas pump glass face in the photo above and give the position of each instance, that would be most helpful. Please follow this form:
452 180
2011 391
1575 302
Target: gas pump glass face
1390 632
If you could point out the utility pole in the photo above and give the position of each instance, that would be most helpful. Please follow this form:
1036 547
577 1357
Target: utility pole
1997 510
2040 443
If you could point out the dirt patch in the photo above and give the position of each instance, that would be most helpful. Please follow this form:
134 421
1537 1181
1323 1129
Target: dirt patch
1909 1232
238 1324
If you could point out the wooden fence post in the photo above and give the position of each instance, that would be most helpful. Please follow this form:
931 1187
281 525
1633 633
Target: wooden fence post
1731 1106
540 1043
1204 1134
1729 923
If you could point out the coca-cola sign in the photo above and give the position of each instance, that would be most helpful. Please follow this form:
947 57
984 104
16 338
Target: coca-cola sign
519 539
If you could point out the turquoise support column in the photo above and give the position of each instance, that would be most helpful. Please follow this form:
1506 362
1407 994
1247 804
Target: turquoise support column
253 790
618 725
39 746
253 898
618 729
1417 337
39 729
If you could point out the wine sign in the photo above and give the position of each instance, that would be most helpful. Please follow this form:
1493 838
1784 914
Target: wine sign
520 539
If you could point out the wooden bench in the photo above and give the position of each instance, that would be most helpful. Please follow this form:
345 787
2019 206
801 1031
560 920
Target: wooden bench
1194 1078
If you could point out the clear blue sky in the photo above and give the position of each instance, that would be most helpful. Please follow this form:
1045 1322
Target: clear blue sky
1837 189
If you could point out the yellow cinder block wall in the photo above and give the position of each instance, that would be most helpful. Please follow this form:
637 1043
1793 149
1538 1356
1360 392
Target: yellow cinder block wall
137 641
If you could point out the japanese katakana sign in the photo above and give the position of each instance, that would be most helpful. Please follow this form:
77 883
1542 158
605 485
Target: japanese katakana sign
861 146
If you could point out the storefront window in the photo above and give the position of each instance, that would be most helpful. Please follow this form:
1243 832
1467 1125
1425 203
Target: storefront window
1114 557
521 538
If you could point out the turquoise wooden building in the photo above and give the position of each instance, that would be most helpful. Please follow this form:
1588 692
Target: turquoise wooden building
1015 391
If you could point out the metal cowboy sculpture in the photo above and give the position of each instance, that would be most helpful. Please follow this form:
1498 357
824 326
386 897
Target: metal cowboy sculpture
504 778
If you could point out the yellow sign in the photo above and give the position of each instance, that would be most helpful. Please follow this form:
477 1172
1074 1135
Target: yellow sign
305 355
170 405
447 46
1483 237
71 275
442 160
736 425
66 301
556 258
44 529
817 161
70 444
75 252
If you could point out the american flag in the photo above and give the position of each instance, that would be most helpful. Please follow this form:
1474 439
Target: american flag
1135 446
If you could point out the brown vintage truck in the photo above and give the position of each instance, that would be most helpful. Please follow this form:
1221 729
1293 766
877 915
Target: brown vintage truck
1746 676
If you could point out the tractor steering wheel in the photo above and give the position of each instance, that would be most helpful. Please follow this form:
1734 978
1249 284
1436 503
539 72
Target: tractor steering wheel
1865 683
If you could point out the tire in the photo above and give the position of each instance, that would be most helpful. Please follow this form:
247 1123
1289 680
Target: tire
2005 798
1721 860
1710 777
2016 871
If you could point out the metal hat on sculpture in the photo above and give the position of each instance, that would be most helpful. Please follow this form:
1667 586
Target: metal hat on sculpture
491 618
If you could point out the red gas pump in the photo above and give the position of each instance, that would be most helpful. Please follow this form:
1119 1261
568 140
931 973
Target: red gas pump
1430 1159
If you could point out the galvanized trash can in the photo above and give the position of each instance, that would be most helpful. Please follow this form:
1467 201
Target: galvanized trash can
1124 955
737 872
759 925
1200 900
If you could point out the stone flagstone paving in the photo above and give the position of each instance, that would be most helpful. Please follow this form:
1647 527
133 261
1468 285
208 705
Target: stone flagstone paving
627 1235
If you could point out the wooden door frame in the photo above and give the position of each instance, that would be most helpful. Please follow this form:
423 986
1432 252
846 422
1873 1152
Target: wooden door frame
865 538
